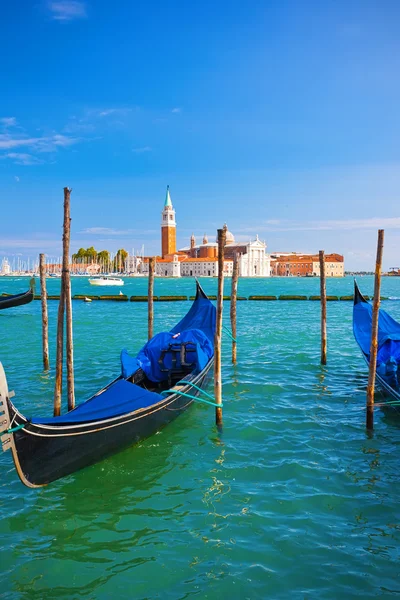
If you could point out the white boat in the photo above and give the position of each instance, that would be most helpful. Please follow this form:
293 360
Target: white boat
105 280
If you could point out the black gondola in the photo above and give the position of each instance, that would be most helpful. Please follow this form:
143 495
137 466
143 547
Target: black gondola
388 359
7 301
155 387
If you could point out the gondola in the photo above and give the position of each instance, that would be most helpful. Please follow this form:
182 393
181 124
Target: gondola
154 387
388 358
16 300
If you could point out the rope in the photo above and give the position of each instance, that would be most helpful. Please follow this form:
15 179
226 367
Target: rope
192 397
389 403
228 333
13 429
198 389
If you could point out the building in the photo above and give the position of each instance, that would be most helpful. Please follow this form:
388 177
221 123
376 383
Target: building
305 265
5 267
164 267
334 265
252 258
168 227
201 259
204 267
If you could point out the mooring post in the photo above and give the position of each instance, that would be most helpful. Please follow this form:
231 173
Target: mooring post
218 328
374 332
323 306
150 298
68 298
60 341
45 318
235 275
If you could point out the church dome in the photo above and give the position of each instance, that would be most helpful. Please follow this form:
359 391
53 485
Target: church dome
229 238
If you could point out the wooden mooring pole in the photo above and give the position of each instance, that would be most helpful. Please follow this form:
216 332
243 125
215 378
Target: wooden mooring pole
45 318
218 328
68 298
150 294
374 332
234 286
65 289
323 306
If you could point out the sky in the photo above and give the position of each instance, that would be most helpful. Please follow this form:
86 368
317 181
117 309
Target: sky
278 117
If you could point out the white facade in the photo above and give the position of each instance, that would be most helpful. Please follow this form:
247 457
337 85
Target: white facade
5 267
206 267
199 268
133 264
254 261
164 268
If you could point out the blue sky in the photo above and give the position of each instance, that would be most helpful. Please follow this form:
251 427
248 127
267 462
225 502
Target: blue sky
279 117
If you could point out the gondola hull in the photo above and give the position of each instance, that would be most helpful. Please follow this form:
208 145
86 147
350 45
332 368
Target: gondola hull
43 454
16 300
388 330
154 388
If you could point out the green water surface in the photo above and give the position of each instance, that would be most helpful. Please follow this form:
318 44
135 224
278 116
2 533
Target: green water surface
294 500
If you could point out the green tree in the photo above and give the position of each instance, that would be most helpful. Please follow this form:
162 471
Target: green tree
119 260
91 254
104 259
79 256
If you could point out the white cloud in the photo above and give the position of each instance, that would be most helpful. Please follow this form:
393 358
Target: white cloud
105 231
113 111
141 150
8 121
8 243
332 225
108 111
20 158
16 178
40 144
7 141
176 110
67 10
112 231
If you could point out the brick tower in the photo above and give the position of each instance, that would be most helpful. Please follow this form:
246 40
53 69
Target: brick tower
168 227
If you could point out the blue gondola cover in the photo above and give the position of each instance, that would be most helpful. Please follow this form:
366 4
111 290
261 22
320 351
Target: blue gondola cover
120 398
388 331
166 347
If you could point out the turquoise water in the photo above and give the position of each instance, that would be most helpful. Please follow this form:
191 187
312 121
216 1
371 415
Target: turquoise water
293 500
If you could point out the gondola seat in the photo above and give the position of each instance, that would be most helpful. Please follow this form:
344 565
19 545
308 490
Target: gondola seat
167 356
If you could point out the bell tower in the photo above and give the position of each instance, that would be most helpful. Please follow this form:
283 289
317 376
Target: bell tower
168 227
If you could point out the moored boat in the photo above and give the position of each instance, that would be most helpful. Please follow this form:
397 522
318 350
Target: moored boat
8 301
106 280
388 357
153 388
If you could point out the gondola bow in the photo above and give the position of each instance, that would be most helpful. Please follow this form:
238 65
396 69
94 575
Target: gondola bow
7 301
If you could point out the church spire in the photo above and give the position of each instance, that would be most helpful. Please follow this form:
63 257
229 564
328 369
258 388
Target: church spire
192 241
205 239
168 227
168 198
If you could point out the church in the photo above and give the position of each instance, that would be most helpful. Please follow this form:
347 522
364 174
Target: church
201 260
